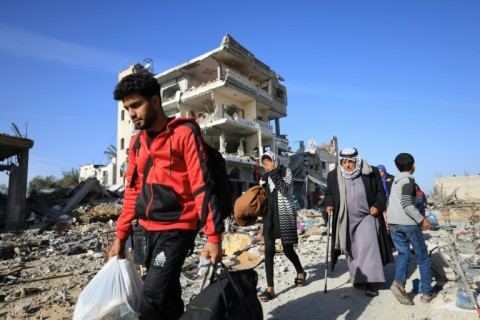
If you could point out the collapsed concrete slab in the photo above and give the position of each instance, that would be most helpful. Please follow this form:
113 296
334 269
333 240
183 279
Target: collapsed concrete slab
49 212
82 190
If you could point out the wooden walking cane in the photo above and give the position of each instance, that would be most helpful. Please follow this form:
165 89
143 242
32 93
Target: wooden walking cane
328 249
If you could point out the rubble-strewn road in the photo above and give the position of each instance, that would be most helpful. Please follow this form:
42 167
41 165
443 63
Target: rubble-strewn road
42 274
342 301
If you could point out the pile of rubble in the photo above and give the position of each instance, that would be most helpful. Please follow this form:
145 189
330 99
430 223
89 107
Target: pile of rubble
42 272
44 269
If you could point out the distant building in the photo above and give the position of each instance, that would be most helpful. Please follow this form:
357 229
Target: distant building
106 174
458 188
310 166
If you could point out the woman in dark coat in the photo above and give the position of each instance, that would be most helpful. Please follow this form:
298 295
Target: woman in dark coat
387 179
356 198
281 220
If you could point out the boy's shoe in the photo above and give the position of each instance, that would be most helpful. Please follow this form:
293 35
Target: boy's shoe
399 292
427 299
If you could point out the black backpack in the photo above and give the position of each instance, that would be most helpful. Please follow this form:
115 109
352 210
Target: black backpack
218 189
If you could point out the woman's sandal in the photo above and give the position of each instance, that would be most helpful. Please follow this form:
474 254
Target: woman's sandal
300 282
266 296
370 291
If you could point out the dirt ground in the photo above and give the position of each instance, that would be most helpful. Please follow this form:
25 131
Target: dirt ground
343 301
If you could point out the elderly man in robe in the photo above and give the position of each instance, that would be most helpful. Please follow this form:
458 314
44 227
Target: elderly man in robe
355 201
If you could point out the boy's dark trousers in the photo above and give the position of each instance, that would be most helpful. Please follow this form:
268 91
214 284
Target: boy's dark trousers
166 253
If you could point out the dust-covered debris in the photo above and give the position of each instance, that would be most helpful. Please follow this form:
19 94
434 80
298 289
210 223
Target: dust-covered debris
44 269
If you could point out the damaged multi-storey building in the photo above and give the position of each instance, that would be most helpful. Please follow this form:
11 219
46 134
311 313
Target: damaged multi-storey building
238 102
310 166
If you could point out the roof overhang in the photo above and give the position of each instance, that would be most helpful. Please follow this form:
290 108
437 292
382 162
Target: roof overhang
11 146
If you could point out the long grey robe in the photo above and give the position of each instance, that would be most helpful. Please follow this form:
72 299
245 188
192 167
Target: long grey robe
363 258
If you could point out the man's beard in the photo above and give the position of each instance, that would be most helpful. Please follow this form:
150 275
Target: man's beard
149 120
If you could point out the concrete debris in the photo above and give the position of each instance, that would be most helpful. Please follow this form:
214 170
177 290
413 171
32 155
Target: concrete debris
88 202
235 242
244 261
44 269
84 188
41 275
442 264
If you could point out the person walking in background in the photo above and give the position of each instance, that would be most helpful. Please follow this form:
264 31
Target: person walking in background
321 208
167 200
406 225
355 199
387 180
281 220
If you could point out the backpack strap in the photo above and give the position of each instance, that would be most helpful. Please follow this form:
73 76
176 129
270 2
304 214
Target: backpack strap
208 191
136 148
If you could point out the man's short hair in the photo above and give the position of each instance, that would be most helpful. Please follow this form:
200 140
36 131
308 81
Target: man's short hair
404 162
143 84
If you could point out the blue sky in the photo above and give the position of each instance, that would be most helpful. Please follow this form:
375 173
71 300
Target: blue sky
383 76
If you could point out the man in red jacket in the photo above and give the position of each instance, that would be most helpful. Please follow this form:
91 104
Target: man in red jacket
168 201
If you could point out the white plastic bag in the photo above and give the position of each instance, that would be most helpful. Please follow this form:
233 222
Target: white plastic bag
114 293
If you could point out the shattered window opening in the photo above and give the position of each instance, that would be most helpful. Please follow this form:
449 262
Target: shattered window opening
169 93
279 94
234 112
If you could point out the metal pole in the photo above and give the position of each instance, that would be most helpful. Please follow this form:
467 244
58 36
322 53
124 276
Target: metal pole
328 249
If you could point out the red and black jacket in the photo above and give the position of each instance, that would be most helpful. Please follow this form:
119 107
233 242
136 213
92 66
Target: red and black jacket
172 197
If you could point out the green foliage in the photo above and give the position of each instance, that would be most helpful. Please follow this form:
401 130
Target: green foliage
40 182
111 152
69 178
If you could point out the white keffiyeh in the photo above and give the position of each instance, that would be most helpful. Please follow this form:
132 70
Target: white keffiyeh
352 155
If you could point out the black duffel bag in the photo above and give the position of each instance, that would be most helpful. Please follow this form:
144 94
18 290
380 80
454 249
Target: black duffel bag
230 295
